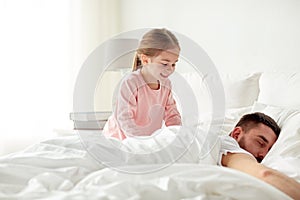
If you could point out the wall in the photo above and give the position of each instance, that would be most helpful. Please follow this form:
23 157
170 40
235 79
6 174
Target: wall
43 44
238 35
34 71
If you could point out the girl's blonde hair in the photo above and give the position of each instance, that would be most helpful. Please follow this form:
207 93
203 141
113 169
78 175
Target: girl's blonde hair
153 43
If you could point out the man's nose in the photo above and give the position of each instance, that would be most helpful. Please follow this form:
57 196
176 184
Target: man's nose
262 154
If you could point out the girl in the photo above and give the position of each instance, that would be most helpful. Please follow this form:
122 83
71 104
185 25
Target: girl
145 97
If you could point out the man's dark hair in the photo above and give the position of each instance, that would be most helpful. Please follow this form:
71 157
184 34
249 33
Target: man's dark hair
251 120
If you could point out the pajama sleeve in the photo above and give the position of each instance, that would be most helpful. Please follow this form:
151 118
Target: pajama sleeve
172 115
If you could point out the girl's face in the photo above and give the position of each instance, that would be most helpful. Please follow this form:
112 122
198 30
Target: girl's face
161 66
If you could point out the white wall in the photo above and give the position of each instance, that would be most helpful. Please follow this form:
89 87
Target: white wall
94 21
43 44
238 35
34 71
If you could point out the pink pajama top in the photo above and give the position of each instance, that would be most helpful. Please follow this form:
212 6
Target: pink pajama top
140 110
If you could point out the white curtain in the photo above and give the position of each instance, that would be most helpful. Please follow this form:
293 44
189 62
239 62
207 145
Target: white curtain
42 46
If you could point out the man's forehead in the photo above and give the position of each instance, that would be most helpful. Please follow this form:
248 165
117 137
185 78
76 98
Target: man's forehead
264 132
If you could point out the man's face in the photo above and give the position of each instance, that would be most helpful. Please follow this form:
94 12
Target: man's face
257 140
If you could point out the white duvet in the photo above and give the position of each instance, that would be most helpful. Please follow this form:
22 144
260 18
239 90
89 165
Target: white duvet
62 169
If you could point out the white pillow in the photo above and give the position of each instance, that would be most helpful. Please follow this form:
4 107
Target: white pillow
280 89
240 90
285 153
199 89
232 116
289 121
275 112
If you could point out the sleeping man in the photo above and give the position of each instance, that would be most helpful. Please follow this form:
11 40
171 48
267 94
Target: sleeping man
243 149
250 141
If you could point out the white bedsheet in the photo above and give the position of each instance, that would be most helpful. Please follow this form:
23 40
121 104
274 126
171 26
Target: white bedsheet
62 169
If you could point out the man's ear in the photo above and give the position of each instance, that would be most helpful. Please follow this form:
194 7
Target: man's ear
144 59
236 132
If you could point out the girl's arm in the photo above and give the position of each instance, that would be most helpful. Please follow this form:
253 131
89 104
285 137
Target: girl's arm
172 115
249 165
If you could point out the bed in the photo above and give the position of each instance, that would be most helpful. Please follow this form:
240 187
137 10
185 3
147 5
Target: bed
65 168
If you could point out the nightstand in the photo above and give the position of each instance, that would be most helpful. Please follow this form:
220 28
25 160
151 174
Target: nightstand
89 120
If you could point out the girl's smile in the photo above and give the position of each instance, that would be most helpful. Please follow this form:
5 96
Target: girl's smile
164 76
